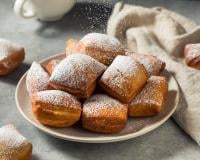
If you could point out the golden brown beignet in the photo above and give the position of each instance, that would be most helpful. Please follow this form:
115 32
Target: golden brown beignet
70 46
77 74
56 108
153 65
13 146
101 47
51 65
11 56
124 78
150 100
37 79
192 55
104 114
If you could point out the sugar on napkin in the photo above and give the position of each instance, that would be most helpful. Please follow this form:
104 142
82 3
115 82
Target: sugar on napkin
164 33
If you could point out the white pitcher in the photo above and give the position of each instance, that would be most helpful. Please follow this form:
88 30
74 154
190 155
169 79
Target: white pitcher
46 10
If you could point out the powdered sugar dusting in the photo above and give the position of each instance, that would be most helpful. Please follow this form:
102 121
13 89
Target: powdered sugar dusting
94 15
10 142
120 73
151 93
37 78
6 48
193 50
102 41
77 71
57 97
152 64
98 102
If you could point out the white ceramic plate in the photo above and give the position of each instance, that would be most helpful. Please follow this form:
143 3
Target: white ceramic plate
135 126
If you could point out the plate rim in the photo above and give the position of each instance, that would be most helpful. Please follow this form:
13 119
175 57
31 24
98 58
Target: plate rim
92 140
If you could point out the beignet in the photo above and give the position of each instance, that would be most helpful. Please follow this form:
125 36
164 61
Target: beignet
150 100
37 79
101 47
192 55
153 65
77 74
11 56
56 108
124 78
51 65
70 46
104 114
13 146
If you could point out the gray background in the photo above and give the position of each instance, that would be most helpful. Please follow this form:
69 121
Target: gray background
40 39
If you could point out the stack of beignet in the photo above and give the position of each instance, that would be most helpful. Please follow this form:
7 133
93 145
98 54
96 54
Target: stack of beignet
99 83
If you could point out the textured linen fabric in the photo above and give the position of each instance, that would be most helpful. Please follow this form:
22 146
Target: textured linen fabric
164 33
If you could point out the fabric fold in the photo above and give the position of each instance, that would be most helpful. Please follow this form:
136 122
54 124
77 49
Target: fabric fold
164 33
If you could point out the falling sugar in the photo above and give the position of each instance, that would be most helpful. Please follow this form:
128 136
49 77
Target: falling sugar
95 14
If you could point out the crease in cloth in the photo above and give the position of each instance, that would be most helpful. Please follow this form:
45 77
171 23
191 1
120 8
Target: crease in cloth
164 33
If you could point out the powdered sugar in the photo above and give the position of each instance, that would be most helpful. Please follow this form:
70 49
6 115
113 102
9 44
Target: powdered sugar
121 73
102 41
95 14
152 64
37 78
193 50
57 97
6 48
77 71
11 141
152 92
98 102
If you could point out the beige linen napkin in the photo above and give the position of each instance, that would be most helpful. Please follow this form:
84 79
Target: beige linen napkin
164 33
